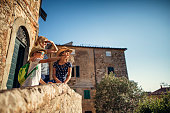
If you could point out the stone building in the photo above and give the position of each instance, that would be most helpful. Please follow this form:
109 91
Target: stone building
18 30
89 66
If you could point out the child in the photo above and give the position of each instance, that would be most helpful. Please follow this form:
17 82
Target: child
36 58
62 68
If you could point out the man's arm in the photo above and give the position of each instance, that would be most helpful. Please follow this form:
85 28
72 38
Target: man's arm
52 50
48 60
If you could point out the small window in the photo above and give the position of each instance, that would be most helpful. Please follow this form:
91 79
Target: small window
88 111
86 94
73 52
110 69
77 71
72 72
74 90
108 53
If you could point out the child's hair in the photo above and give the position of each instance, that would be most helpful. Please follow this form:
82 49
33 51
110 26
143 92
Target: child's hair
62 53
40 40
34 50
70 59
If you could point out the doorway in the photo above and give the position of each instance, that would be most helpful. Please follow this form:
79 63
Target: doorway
19 57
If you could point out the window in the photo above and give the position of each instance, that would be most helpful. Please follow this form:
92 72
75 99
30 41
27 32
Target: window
86 94
74 90
108 53
110 69
88 111
72 75
77 71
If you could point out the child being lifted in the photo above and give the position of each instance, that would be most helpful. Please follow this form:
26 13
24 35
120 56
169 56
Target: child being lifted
33 76
34 70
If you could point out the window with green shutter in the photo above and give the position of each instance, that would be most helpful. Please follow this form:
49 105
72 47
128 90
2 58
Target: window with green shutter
86 94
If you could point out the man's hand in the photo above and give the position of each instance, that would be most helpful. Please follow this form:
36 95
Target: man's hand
48 41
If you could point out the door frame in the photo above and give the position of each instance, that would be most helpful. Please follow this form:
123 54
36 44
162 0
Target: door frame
12 35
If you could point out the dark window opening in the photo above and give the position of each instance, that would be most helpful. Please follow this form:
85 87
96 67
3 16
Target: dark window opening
75 90
110 69
77 71
88 111
72 75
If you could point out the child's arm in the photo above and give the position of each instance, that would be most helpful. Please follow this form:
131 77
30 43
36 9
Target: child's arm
54 76
68 76
52 50
42 82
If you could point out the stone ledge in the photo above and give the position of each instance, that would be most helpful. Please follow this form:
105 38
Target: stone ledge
44 98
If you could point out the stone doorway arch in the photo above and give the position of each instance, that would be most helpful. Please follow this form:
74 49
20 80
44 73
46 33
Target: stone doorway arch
19 58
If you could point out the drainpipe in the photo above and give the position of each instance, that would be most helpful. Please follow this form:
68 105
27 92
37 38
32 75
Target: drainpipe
94 66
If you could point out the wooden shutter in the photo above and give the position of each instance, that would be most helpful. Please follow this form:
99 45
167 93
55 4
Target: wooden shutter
72 72
13 64
77 71
86 94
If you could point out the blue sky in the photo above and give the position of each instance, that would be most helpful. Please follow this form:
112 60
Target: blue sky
141 26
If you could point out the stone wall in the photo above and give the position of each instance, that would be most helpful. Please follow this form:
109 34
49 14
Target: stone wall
13 14
5 20
51 98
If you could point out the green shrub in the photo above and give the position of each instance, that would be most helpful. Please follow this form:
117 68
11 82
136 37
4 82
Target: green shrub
155 105
117 94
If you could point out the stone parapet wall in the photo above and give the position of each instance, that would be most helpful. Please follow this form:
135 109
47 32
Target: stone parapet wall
51 98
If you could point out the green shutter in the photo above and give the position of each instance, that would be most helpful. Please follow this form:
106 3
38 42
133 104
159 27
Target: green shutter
16 63
86 94
13 64
77 71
